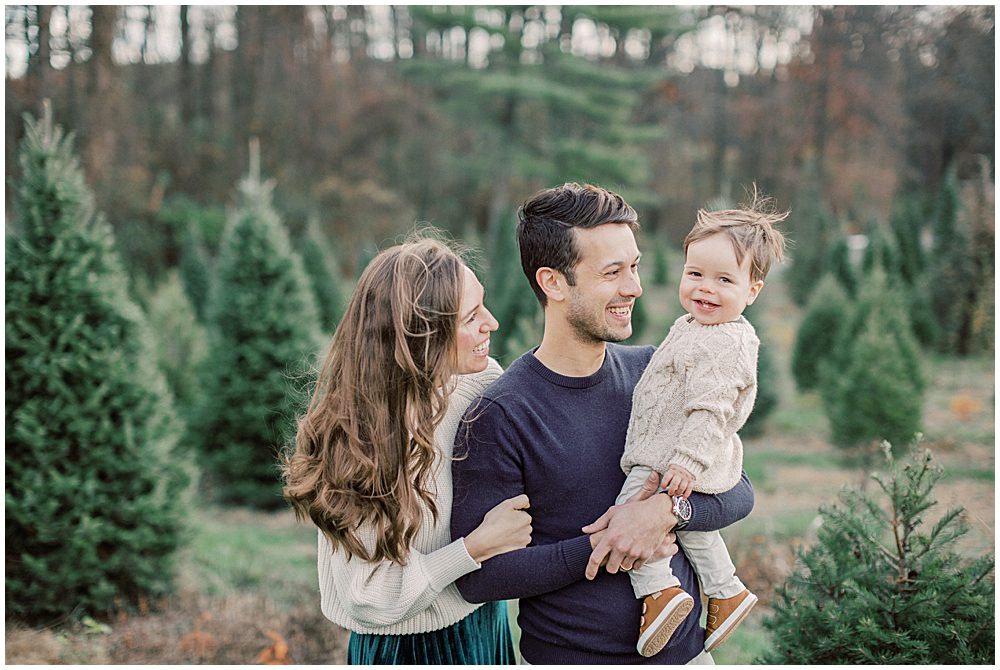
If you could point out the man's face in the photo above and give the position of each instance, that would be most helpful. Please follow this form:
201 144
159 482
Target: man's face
600 305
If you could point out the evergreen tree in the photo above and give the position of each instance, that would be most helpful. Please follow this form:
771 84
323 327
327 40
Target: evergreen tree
92 514
767 393
839 265
324 277
814 230
180 340
509 296
195 272
873 388
661 268
826 314
907 224
881 250
264 334
881 587
767 377
954 285
640 322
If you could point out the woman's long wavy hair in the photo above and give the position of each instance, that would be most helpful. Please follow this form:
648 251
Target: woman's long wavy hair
364 449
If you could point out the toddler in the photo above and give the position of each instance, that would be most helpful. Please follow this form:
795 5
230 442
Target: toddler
697 391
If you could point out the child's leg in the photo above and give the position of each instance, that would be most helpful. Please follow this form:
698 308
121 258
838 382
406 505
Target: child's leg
655 575
710 559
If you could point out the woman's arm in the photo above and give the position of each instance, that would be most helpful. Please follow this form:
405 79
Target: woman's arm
383 593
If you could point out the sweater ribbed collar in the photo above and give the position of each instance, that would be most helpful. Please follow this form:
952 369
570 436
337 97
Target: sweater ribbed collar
562 380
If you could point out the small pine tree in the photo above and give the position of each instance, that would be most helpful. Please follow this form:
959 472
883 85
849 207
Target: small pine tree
91 489
767 393
869 390
815 231
510 296
881 251
181 342
955 281
907 224
324 277
880 587
195 272
826 314
264 334
840 266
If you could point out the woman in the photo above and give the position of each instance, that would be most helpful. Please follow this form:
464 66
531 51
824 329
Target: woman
371 465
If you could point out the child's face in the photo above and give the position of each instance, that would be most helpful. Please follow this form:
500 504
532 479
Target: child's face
715 288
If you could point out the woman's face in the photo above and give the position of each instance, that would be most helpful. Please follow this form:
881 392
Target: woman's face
475 323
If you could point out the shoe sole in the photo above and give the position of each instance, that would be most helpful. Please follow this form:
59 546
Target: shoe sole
729 625
655 637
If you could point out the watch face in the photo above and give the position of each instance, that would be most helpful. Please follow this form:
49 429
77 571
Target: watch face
682 508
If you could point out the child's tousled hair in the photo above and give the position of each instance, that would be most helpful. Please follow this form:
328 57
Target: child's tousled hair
751 230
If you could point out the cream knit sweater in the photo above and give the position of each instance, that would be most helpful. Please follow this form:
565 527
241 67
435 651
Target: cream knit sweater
390 599
695 394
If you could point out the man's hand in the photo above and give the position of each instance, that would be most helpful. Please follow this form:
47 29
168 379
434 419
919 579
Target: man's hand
678 481
634 532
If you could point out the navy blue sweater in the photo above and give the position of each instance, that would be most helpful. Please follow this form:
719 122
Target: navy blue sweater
559 440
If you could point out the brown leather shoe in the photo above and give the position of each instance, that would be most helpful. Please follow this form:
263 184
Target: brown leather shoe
662 613
724 615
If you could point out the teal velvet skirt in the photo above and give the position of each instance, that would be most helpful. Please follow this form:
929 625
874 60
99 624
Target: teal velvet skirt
481 638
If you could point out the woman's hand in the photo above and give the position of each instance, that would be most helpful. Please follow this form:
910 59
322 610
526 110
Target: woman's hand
505 528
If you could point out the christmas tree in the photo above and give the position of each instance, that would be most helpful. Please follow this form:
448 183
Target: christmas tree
826 313
882 585
264 336
92 476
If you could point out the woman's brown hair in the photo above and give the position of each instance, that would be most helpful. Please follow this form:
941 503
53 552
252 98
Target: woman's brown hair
364 449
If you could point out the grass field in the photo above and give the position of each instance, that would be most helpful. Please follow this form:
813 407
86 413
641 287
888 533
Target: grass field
247 581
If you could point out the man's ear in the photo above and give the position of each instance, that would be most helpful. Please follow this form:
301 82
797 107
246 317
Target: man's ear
552 283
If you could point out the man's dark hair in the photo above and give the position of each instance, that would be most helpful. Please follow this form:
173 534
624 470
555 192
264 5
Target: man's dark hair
545 225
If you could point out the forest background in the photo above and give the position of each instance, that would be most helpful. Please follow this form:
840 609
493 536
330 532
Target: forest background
355 123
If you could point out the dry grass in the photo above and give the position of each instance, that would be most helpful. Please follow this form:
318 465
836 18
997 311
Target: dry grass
234 606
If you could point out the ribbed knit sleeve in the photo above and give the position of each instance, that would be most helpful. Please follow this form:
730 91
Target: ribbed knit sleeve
387 598
369 596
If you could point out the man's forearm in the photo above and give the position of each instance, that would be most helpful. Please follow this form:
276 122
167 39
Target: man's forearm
715 512
527 572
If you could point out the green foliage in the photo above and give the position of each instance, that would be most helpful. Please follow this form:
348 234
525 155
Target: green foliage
195 272
827 312
907 224
661 268
839 265
640 321
872 384
180 340
324 277
958 271
884 586
510 298
767 380
91 478
814 230
264 335
881 250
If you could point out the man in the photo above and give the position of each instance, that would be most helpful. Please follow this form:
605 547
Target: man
553 427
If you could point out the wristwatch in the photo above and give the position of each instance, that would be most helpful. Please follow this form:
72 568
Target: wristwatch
682 510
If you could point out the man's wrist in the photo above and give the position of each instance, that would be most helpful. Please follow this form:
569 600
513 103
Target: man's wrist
682 510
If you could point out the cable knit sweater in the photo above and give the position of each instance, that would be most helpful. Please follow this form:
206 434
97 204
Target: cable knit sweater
387 598
697 391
